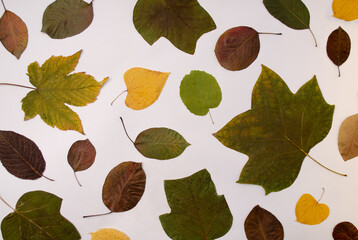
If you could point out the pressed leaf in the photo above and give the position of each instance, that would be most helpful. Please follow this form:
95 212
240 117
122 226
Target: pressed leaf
200 91
13 33
338 47
260 224
348 138
197 211
181 22
66 18
124 186
279 130
345 231
20 156
55 88
345 9
144 87
109 234
309 211
237 48
37 216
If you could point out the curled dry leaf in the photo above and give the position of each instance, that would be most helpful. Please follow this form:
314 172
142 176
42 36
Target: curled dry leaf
260 224
309 211
13 33
345 231
124 187
345 9
109 234
348 138
66 18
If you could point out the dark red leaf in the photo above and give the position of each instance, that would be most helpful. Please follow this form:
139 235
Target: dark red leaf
81 155
345 231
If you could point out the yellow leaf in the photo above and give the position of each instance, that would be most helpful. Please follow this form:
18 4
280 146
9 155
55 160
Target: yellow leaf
109 234
345 9
144 87
309 211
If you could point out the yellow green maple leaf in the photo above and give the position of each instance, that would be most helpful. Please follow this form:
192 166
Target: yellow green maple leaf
55 87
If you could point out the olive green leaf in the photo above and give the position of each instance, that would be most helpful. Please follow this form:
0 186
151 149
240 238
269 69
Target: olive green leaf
55 88
200 91
279 130
197 211
37 216
292 13
66 18
181 22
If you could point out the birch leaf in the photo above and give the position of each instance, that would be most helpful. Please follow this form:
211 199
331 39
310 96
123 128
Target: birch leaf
345 9
109 234
309 211
348 138
345 231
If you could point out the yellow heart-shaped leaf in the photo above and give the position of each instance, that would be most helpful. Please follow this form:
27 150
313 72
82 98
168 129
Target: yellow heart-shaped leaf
109 234
309 211
345 9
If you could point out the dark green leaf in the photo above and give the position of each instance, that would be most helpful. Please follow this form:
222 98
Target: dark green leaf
181 22
279 130
197 212
37 217
345 231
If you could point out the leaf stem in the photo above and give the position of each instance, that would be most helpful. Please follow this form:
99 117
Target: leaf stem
2 1
314 38
97 215
339 72
344 175
211 117
118 96
269 33
77 179
17 85
321 196
125 130
47 178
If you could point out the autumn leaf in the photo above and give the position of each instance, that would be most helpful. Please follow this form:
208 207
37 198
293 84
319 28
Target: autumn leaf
260 224
143 86
38 216
81 156
345 9
278 132
181 22
200 91
159 143
21 156
293 13
109 234
309 211
13 33
348 138
338 47
345 231
66 18
55 88
197 211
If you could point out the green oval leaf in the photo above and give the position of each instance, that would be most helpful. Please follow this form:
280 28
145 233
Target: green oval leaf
66 18
200 91
197 211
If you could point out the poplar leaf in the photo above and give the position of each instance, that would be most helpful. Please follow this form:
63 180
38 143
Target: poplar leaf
197 211
109 234
279 130
260 224
124 186
345 231
348 138
200 91
309 211
38 216
13 33
345 9
144 87
338 47
66 18
181 22
55 88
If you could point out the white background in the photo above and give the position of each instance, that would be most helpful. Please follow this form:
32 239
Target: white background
111 45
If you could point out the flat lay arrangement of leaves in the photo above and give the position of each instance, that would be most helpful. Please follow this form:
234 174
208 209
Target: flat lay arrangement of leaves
211 120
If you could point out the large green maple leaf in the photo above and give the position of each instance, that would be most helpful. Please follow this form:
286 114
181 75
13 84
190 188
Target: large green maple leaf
279 130
182 22
55 87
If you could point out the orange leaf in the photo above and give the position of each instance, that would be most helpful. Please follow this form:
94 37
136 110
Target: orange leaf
309 211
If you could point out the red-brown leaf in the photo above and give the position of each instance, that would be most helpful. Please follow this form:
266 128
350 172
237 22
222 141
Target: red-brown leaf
345 231
81 155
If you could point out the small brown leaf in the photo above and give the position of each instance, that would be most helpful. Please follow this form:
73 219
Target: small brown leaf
13 33
345 231
124 187
348 138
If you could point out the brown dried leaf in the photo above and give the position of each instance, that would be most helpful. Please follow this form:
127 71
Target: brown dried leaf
348 138
345 231
81 155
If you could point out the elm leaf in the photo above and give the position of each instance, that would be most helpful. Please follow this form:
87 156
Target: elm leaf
345 231
260 224
21 156
181 22
66 18
13 33
38 216
348 138
338 47
200 91
197 211
279 131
